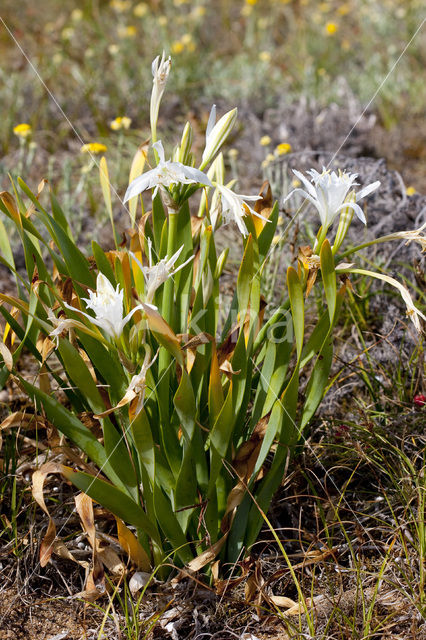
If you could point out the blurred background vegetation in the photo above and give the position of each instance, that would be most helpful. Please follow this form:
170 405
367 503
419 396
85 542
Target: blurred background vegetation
69 69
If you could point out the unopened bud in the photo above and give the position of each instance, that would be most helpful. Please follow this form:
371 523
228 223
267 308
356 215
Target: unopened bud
185 144
216 134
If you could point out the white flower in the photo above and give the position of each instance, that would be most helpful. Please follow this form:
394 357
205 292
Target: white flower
234 208
61 325
160 72
165 173
329 192
107 303
137 386
412 311
156 274
136 389
216 133
410 236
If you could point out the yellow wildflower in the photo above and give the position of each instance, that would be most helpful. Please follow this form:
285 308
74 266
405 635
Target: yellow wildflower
113 49
331 28
127 32
76 15
265 56
344 9
22 130
198 12
140 10
93 148
233 153
410 191
121 122
186 39
282 148
295 183
177 47
120 5
246 10
162 21
265 140
67 33
276 239
251 2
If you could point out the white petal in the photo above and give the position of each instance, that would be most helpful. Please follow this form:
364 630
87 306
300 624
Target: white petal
212 121
196 175
174 257
367 190
139 184
356 208
158 146
309 186
126 319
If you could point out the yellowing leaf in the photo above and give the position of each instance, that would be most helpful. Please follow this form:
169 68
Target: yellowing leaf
135 171
132 547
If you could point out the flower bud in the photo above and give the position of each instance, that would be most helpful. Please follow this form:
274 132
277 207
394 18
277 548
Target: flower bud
160 73
185 144
216 134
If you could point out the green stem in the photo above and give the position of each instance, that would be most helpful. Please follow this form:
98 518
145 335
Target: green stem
167 304
387 238
167 307
276 317
322 233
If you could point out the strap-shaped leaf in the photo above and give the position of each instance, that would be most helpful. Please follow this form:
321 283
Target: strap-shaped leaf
328 277
297 307
267 234
144 443
216 395
163 332
170 525
184 402
107 366
68 424
80 376
245 277
103 263
113 499
158 224
221 432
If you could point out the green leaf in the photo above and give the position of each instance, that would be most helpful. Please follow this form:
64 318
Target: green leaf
107 366
184 402
221 432
158 221
114 499
144 444
267 234
328 276
245 277
80 376
59 215
216 396
103 263
317 382
68 424
170 525
118 455
297 307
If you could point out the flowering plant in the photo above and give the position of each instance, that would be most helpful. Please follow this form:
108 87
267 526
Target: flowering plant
196 420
